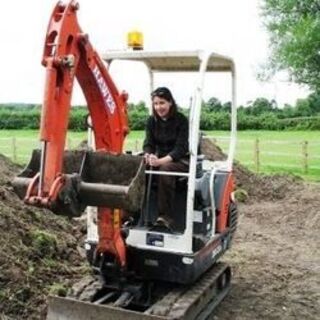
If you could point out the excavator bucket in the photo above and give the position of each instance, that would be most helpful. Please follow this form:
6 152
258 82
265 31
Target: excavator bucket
92 179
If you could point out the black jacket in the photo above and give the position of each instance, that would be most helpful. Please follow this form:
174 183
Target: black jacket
167 137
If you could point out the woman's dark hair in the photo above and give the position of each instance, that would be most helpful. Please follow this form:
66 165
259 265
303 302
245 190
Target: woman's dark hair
165 93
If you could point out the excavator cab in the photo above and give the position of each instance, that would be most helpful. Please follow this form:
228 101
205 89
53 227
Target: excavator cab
204 199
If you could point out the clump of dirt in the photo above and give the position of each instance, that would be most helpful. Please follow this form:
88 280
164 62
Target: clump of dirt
258 187
38 250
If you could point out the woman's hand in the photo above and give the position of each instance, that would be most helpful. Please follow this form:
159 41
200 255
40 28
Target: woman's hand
146 158
154 161
151 159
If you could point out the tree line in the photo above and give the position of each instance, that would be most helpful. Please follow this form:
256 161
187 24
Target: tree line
260 114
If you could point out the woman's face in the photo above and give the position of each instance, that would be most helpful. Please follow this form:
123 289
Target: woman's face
161 107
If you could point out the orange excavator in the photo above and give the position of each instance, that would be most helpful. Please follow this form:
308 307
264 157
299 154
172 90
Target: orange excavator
141 272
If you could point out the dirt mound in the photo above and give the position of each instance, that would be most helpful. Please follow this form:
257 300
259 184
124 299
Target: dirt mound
273 257
275 260
258 187
7 169
40 253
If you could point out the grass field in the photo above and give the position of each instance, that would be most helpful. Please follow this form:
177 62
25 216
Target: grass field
279 152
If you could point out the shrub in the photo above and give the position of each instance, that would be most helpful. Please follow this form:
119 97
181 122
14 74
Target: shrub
137 119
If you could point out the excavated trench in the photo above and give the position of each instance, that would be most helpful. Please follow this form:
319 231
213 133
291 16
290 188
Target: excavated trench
275 258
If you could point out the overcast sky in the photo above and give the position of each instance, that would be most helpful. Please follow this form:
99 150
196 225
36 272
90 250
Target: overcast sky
230 27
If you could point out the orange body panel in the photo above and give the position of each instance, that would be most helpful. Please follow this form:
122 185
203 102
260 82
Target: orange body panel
109 230
222 218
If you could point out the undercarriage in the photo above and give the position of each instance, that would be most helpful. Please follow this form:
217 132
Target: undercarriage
147 300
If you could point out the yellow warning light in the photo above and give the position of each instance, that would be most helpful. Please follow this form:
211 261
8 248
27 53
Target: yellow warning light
135 40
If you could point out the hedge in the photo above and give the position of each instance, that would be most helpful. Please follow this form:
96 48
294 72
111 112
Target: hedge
29 118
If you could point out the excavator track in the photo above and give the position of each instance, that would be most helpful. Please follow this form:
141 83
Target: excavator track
195 302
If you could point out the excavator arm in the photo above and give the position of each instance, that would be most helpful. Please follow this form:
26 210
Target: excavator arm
66 182
67 55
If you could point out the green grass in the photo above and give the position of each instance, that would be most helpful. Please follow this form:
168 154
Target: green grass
19 133
280 151
271 135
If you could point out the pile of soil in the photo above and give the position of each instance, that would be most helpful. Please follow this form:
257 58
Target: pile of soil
275 259
7 170
40 253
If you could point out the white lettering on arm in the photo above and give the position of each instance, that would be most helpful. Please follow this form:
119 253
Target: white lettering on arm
105 92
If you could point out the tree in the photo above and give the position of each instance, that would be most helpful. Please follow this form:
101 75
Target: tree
294 26
302 108
287 111
259 106
314 100
227 107
139 107
213 105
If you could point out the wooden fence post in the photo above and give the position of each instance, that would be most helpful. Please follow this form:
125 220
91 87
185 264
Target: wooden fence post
257 155
305 164
14 149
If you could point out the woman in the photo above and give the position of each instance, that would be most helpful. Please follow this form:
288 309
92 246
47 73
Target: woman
166 148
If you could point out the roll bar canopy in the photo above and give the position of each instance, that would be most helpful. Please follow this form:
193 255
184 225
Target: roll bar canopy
200 62
173 61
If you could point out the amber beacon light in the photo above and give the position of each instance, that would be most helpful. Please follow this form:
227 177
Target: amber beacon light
135 40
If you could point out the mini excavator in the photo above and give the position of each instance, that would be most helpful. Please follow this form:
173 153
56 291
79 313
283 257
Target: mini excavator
140 272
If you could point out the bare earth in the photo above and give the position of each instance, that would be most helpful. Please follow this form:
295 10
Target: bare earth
276 260
275 256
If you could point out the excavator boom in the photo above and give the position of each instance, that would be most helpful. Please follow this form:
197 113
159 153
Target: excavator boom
67 182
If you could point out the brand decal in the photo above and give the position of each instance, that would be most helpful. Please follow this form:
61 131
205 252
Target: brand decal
107 97
154 239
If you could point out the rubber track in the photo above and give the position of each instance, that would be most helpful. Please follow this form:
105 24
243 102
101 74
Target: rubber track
189 303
